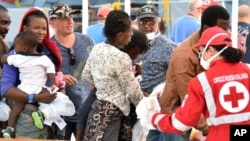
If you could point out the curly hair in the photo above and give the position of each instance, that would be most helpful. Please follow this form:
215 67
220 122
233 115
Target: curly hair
27 39
138 40
117 21
211 15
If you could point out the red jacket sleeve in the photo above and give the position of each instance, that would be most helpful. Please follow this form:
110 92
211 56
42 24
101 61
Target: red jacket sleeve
186 116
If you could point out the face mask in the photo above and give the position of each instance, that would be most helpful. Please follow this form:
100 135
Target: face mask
151 35
206 64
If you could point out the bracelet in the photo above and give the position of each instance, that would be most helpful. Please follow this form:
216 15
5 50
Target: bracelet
31 98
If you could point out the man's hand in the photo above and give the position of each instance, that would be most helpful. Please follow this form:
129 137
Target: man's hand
45 97
70 80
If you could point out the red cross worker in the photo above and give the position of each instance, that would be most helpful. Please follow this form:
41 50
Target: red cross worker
221 93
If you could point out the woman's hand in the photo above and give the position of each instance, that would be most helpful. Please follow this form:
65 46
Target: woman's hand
70 80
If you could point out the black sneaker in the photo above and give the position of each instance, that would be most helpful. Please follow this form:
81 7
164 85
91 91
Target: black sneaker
9 132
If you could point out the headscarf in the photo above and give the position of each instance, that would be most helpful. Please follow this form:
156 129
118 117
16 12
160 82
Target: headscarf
50 45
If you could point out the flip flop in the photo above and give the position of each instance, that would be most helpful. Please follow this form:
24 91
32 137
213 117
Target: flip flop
38 119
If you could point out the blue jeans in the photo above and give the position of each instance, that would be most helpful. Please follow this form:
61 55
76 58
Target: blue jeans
153 135
175 137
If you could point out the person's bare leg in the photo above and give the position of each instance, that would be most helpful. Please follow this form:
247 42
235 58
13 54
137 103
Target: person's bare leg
16 109
9 132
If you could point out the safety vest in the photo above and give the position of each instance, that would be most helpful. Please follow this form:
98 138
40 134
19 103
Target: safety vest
234 101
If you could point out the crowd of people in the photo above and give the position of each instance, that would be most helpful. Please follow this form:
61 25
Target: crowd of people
107 72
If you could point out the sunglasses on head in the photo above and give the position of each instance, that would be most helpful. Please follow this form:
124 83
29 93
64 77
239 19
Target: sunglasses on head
147 10
72 56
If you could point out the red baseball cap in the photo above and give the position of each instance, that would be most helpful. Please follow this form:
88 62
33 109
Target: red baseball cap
208 3
214 36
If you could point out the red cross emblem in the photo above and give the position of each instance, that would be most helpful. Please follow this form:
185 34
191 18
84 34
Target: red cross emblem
234 96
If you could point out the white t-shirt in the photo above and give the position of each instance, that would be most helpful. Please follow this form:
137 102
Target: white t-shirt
33 71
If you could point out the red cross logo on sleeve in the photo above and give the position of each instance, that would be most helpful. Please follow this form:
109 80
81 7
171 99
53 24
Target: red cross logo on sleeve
233 96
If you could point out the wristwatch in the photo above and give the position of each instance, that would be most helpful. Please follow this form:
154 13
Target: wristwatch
31 98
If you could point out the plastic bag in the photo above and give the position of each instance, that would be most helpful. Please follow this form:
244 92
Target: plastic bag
148 106
4 111
61 106
64 104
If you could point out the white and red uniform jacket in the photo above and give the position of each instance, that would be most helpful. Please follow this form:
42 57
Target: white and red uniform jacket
221 94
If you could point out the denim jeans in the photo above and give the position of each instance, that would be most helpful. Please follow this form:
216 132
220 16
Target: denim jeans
175 137
153 135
